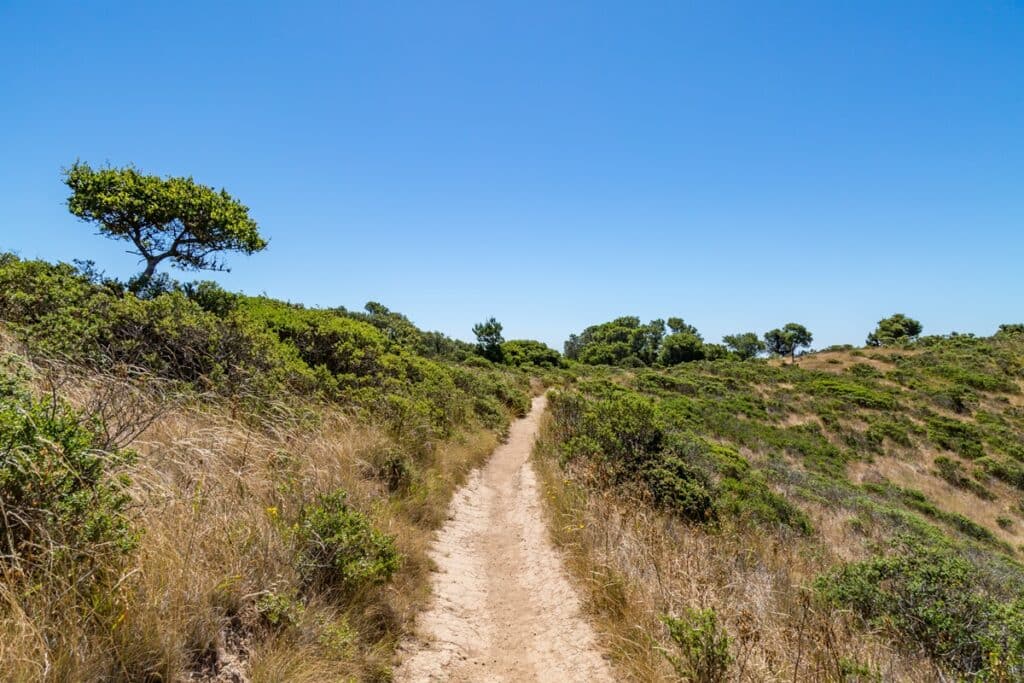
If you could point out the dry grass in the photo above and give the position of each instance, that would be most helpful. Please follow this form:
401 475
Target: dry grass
636 564
837 361
215 497
918 474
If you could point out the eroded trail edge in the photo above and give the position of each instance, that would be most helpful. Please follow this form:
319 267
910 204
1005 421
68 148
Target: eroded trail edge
503 607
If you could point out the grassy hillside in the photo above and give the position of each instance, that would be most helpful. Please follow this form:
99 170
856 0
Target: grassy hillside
857 516
196 483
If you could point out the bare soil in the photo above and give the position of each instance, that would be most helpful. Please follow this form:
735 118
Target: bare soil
503 607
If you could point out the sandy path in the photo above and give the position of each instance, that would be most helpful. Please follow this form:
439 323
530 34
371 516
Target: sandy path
503 608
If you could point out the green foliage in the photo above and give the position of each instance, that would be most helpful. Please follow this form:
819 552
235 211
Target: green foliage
60 495
745 345
526 352
681 347
279 610
951 471
681 487
955 435
749 443
1005 470
623 341
702 646
850 393
256 348
786 341
489 339
896 329
937 600
164 218
339 547
632 440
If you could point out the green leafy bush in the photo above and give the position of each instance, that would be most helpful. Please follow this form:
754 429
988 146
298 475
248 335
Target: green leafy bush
519 352
934 598
701 646
954 435
60 495
257 348
339 547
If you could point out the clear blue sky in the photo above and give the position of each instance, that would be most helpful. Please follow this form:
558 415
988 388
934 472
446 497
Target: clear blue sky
554 164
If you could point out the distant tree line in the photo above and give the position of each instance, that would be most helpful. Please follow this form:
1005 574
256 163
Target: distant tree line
191 226
627 342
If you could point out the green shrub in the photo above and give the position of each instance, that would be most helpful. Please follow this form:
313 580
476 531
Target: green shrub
1005 470
278 610
521 352
955 435
61 495
933 597
681 487
849 392
701 646
339 547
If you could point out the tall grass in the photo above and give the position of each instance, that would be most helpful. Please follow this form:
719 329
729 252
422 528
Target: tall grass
637 564
216 495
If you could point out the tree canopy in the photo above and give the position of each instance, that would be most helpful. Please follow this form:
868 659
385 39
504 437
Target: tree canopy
163 218
626 341
623 341
895 329
489 339
787 340
521 352
746 345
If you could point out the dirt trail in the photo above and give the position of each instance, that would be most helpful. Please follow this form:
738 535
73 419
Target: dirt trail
503 608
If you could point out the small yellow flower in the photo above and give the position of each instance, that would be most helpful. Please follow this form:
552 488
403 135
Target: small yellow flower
272 512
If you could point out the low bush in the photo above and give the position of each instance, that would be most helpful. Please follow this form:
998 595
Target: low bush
340 549
60 496
701 646
955 435
934 598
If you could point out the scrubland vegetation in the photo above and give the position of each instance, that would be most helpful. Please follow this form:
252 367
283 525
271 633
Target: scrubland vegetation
198 484
856 516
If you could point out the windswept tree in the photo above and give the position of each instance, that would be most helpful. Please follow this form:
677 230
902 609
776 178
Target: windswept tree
680 326
170 218
489 339
895 329
746 345
787 340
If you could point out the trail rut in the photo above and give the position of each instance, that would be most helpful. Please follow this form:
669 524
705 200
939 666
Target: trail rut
503 608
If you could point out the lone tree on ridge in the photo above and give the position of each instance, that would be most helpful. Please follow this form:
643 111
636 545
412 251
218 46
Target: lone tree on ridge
164 218
786 341
489 339
895 329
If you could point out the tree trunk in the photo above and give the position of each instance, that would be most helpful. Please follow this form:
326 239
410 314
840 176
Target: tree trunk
150 268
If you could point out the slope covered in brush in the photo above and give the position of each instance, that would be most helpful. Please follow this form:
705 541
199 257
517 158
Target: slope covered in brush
890 478
203 485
